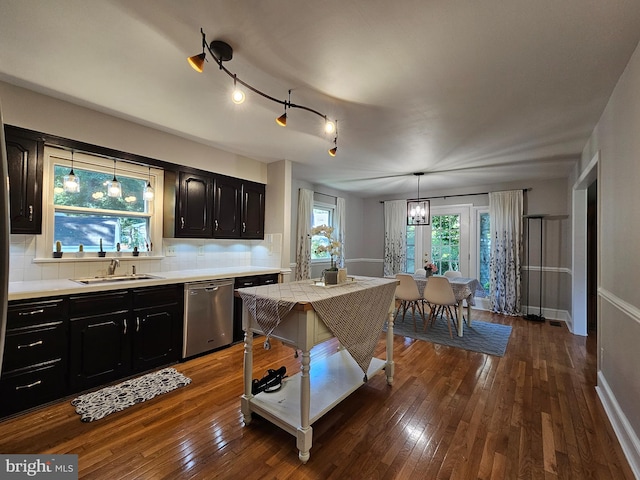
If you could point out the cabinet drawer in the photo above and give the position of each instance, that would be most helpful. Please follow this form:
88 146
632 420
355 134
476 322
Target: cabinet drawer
32 387
269 279
98 303
156 296
33 345
31 313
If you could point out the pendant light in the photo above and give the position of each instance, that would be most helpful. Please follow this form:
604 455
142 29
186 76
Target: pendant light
418 209
148 193
282 119
70 182
114 188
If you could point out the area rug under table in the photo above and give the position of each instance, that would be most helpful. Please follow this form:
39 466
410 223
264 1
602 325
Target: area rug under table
483 337
96 405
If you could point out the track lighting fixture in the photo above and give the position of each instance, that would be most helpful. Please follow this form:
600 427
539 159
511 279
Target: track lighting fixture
418 209
222 52
70 182
114 188
148 192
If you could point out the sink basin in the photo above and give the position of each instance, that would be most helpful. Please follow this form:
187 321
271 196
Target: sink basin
114 278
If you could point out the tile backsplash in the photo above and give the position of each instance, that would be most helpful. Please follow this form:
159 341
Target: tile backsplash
179 254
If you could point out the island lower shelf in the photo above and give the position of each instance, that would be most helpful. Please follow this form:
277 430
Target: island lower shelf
332 380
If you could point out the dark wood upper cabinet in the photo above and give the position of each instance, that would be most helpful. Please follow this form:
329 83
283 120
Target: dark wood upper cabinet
25 154
226 207
252 210
202 205
194 204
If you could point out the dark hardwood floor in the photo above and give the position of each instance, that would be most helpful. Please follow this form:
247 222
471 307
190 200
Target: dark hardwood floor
532 414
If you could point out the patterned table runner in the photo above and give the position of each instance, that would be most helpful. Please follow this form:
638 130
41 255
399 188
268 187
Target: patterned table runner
355 312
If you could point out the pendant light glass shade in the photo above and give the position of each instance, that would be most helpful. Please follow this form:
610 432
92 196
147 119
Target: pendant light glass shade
282 119
148 192
418 209
70 182
114 189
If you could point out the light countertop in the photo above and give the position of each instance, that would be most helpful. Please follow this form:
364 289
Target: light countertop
50 288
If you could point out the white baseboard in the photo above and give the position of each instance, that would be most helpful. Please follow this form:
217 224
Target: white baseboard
621 426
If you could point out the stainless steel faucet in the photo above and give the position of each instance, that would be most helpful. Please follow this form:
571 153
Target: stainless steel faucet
112 266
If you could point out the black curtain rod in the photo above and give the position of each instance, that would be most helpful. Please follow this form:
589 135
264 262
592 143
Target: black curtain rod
444 197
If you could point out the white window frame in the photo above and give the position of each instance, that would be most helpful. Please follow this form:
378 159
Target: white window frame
55 156
332 215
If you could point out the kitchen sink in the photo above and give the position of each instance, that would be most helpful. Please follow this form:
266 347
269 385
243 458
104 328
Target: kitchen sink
115 278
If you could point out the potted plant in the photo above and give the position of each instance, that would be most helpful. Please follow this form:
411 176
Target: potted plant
135 252
332 247
58 252
101 253
80 253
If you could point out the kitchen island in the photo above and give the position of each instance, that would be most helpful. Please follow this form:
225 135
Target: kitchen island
302 315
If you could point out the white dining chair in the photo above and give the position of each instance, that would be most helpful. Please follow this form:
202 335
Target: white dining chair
408 294
439 295
452 274
421 271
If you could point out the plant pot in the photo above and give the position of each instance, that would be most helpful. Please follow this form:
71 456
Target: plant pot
135 254
102 254
57 254
330 277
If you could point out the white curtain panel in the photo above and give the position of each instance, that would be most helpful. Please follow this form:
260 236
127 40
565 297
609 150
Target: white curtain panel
505 211
340 228
395 237
303 236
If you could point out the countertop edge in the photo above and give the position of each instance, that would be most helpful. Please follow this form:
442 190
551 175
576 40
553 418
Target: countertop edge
28 290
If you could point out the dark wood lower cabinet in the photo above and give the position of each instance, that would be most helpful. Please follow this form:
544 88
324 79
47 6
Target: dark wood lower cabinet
67 345
100 349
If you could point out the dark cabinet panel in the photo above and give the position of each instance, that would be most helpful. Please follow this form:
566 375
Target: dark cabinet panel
157 338
100 350
253 210
227 207
34 369
243 282
25 159
194 203
202 205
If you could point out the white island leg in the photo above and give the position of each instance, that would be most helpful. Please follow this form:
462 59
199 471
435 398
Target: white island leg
245 406
305 431
390 365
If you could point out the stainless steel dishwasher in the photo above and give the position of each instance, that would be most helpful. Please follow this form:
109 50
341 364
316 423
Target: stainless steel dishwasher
208 316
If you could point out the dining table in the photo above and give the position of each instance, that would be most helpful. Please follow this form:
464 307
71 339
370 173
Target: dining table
464 289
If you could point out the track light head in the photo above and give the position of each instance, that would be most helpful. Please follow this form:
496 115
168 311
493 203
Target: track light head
333 151
329 126
282 120
197 62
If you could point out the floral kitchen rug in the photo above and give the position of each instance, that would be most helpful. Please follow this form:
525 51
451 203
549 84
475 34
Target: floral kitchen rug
96 405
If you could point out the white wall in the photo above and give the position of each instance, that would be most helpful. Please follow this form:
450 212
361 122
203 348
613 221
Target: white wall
617 141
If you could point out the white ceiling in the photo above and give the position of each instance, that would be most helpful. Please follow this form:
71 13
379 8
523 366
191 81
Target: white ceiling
471 92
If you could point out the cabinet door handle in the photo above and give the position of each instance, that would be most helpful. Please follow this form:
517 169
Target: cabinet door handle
31 385
181 222
137 324
32 312
31 213
39 342
125 327
244 227
216 221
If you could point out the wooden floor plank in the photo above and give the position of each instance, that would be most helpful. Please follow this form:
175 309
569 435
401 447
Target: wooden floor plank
532 413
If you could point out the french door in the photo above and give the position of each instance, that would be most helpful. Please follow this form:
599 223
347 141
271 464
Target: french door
445 241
